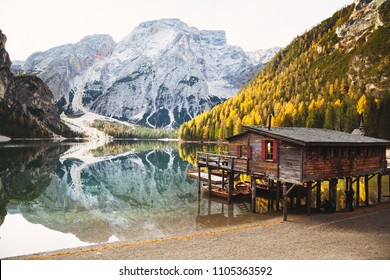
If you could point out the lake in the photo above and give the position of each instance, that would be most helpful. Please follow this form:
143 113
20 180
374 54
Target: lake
56 195
63 195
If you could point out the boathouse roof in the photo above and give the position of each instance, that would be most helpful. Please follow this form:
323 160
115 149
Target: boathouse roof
314 136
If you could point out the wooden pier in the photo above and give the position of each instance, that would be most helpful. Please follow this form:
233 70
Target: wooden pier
295 162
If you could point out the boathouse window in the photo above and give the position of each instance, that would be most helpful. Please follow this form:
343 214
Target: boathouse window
244 151
269 150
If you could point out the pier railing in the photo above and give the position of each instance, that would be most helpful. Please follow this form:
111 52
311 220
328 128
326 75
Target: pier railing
222 162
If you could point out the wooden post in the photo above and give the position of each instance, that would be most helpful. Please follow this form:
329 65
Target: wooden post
379 187
209 179
318 201
357 191
330 190
284 202
223 178
270 200
366 188
347 181
277 194
231 186
198 179
308 198
198 205
253 188
334 191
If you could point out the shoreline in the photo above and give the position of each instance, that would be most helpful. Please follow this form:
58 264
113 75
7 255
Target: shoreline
340 235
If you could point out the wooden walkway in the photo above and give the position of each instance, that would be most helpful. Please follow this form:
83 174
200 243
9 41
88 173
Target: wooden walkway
215 179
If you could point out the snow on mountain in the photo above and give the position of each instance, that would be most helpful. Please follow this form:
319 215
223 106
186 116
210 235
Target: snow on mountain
264 55
160 75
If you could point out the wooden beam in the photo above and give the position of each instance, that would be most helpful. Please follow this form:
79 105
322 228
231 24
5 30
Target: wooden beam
290 189
198 205
366 179
231 186
198 179
357 191
318 201
284 202
379 187
334 191
308 198
223 178
253 188
209 179
346 190
277 194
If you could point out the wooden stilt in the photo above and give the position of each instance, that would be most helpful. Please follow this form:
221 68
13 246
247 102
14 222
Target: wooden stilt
223 179
277 194
198 179
347 181
379 187
253 188
284 202
366 189
230 211
209 180
334 191
198 205
231 186
318 200
270 199
308 197
357 191
330 190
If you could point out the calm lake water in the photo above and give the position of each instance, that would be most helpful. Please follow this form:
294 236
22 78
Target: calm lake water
63 195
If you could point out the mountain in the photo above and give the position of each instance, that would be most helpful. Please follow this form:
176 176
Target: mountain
332 76
27 107
161 74
264 55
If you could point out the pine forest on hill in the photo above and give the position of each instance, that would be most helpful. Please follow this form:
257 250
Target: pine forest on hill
319 80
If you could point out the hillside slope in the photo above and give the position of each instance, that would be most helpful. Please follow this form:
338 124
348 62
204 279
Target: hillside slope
331 77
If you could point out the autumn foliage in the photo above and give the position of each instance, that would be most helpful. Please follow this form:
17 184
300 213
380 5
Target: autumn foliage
309 84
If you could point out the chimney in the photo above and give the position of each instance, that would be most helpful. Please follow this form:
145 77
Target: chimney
269 122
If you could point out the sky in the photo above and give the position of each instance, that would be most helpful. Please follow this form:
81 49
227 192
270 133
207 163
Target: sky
38 25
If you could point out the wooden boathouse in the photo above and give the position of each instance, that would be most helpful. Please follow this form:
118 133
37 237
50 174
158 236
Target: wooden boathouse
291 158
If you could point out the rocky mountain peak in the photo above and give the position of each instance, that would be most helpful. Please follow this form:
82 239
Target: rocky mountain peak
27 107
161 74
363 20
4 57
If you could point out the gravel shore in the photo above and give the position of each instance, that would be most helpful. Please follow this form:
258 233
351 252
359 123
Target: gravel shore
362 234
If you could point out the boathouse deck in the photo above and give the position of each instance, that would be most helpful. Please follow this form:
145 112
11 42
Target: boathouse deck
297 158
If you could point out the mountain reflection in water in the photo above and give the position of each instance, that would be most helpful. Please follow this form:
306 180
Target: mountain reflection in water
124 190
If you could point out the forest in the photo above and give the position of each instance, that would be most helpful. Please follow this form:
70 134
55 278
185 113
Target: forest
118 130
318 80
